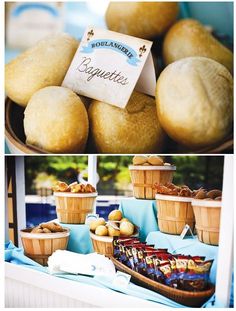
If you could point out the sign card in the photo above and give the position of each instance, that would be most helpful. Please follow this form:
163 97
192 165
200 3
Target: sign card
108 66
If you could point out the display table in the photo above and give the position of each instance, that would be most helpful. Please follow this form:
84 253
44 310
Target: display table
142 213
24 276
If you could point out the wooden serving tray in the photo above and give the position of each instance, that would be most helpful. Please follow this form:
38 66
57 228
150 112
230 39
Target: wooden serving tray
190 299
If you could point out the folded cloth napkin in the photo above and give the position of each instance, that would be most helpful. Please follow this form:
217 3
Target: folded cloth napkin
88 264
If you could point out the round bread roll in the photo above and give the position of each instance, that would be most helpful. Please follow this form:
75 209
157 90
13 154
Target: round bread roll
195 101
101 230
141 19
45 64
139 160
155 160
97 222
56 121
126 228
115 215
134 129
113 232
190 38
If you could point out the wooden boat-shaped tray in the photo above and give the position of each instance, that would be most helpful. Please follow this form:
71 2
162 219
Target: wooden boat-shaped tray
190 299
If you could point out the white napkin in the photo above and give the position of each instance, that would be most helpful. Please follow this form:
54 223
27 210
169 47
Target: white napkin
89 264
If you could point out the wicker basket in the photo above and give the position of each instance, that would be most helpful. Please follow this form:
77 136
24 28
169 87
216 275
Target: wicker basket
39 246
144 177
174 213
72 208
190 299
207 215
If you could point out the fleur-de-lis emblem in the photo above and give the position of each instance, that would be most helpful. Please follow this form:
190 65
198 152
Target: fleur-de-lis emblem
142 50
90 34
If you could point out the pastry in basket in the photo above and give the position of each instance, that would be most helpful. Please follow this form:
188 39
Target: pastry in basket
61 187
56 120
35 69
184 104
141 19
188 37
49 227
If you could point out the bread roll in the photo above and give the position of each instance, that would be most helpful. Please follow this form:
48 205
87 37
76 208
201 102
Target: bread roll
190 38
115 215
45 64
101 230
134 129
195 101
56 120
141 19
139 160
155 160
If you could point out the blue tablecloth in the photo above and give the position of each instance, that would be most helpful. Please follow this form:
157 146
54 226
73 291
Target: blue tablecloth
79 240
188 246
16 256
142 213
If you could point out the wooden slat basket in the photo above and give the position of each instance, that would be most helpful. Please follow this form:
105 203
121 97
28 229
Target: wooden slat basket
207 215
104 244
72 208
173 213
39 246
144 177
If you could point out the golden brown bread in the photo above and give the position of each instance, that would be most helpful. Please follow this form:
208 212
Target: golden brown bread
45 64
56 120
141 19
194 99
134 129
155 160
139 160
188 38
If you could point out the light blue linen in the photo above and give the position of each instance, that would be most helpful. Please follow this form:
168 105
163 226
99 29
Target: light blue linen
79 240
16 256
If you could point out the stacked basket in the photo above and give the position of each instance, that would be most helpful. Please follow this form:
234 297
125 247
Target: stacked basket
174 211
74 202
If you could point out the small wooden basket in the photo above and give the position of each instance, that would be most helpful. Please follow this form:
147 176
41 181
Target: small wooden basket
72 208
207 215
104 244
144 177
39 246
173 213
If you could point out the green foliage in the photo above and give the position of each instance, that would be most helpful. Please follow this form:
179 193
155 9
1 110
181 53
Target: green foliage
194 171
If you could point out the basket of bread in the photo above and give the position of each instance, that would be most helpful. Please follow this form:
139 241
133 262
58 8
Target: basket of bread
174 208
147 171
103 232
193 106
41 241
74 201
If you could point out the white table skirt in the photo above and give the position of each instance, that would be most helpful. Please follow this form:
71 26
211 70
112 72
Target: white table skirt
29 288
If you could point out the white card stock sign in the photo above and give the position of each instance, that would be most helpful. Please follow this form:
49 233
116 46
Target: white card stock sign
108 66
